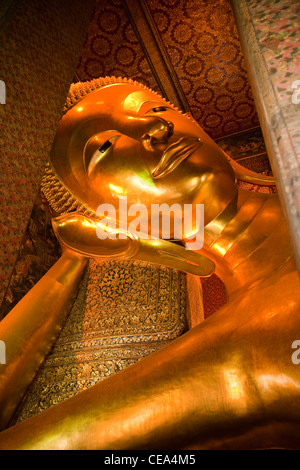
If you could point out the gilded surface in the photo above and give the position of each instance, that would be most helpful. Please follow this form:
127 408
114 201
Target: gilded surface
124 311
230 382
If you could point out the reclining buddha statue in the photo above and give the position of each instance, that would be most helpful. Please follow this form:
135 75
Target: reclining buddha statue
231 382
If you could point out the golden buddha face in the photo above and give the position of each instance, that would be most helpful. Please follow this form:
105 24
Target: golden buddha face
125 140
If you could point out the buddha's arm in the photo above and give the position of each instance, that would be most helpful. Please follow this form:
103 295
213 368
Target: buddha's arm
31 328
224 382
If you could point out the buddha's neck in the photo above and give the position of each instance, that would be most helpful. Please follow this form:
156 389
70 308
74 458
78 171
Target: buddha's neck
248 240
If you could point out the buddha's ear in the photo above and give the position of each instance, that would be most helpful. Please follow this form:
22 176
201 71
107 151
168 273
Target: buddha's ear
80 234
242 173
248 176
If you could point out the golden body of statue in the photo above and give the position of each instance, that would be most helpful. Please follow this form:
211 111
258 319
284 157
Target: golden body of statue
230 382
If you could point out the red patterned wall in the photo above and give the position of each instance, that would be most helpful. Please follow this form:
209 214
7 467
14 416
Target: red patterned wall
111 47
40 48
201 40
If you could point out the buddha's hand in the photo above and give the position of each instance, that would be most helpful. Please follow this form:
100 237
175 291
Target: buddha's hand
92 239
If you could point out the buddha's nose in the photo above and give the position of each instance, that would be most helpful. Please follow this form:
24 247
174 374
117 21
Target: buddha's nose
159 133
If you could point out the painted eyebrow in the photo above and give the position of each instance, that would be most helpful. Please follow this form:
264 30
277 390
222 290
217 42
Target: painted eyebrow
100 152
148 106
158 109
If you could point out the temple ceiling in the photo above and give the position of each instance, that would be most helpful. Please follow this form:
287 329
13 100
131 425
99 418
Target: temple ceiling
187 51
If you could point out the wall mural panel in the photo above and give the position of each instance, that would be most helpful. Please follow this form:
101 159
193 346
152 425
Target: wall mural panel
200 45
112 49
39 250
202 42
40 47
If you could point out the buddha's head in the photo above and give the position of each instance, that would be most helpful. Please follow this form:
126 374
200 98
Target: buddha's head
122 139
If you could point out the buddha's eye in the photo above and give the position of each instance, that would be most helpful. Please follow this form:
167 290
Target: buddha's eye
104 146
100 153
159 109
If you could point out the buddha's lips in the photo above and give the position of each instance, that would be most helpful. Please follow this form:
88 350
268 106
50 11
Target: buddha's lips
175 154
